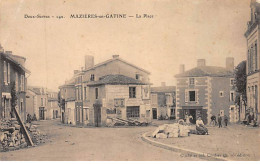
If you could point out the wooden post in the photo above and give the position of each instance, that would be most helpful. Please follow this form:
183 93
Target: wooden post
23 128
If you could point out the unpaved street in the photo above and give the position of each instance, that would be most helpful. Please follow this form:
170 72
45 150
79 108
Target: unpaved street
88 144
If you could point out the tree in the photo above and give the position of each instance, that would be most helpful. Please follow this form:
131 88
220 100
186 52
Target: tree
13 98
240 81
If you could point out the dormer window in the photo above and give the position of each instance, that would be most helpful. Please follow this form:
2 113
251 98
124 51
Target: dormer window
191 81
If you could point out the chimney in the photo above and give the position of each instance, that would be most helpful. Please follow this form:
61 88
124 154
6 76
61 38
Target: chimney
89 61
9 52
182 68
115 56
201 62
163 84
230 63
76 71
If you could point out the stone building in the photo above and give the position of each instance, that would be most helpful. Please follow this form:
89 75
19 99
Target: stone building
37 102
53 107
205 91
163 101
114 88
252 35
12 72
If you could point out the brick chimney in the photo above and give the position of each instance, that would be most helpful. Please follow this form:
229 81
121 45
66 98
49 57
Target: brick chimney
115 56
230 63
201 62
89 61
182 68
9 52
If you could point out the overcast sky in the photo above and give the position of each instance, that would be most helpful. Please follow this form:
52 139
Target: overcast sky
181 32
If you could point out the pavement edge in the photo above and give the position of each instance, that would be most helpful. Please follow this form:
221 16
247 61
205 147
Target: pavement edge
181 150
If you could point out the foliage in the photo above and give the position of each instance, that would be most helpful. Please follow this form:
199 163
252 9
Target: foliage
13 98
240 80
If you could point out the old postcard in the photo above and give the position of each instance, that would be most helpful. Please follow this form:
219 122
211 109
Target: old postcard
129 80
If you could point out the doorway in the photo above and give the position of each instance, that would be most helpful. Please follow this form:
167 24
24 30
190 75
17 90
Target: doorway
97 114
154 113
41 113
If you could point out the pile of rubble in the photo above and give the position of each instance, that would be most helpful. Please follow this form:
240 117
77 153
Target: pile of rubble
12 138
111 122
172 131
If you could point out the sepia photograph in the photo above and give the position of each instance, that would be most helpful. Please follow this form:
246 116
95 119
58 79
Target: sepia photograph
129 80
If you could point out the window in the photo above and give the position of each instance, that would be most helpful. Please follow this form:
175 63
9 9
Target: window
92 77
85 93
21 105
96 93
231 96
16 82
22 83
41 101
80 92
132 92
192 95
232 82
221 94
192 81
154 99
8 73
5 72
77 92
132 112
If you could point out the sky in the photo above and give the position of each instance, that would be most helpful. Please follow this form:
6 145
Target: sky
180 32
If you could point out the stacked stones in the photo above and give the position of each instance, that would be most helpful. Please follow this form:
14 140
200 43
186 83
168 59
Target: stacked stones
11 137
37 136
172 131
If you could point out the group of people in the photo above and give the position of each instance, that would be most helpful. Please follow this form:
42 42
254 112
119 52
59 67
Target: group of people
29 118
218 121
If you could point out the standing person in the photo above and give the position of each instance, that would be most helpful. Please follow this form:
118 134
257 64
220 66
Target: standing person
226 120
213 120
219 121
200 127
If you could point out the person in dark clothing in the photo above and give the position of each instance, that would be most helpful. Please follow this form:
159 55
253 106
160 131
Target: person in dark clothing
213 120
219 121
29 119
225 120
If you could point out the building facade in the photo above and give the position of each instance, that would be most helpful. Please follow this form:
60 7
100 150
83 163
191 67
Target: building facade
100 88
53 106
12 78
253 74
37 102
205 91
163 102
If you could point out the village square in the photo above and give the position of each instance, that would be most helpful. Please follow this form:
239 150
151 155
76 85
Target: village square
111 110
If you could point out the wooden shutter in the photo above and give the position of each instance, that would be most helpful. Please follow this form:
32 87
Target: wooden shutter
186 95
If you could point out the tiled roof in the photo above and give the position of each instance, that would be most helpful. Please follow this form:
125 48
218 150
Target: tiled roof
163 89
114 59
116 80
37 91
207 71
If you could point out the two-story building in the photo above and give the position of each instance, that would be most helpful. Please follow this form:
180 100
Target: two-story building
12 79
67 102
53 106
163 101
37 102
114 88
205 91
252 35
